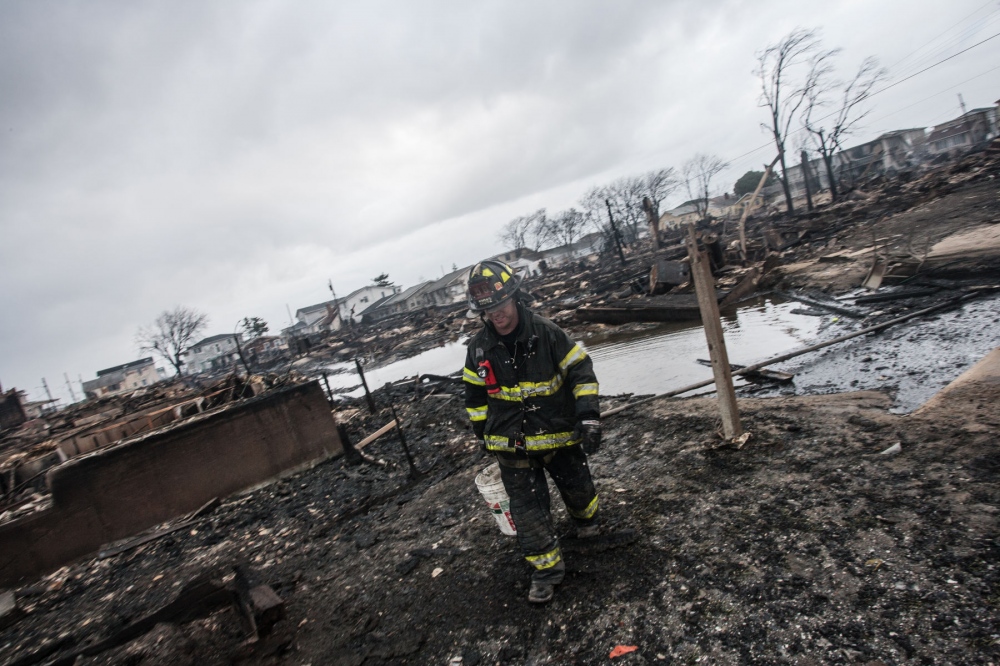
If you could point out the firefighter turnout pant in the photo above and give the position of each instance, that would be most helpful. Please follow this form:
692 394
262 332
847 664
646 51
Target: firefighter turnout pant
525 483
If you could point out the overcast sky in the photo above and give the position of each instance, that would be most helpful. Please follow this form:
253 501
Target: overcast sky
234 156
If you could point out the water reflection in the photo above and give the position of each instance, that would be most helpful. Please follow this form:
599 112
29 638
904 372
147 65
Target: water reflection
653 360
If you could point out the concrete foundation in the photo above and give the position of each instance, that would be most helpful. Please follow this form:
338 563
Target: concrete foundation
124 489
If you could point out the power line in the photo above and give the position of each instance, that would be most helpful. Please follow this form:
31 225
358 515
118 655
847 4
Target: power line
943 60
877 92
942 33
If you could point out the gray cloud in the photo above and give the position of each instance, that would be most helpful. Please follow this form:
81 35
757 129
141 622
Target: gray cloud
233 155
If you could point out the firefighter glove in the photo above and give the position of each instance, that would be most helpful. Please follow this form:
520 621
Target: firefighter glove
590 433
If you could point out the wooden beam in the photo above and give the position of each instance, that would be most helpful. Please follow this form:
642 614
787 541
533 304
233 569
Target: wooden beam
375 435
746 209
701 273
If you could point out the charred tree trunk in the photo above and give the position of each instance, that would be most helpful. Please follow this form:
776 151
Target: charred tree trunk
653 219
784 181
805 179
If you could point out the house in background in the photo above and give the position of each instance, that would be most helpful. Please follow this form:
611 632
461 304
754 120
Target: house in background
218 352
415 298
450 289
586 246
523 260
121 378
964 133
686 213
319 318
265 348
359 300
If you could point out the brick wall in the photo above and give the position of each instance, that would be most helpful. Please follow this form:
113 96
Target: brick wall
124 489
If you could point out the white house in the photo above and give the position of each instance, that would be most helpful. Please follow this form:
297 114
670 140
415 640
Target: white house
121 378
564 254
213 353
359 300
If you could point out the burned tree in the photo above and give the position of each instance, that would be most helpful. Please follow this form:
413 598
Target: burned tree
566 227
698 174
525 231
829 130
783 92
172 334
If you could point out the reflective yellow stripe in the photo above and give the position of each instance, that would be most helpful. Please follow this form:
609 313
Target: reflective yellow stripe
575 355
584 389
486 272
477 413
531 442
509 393
472 377
531 389
587 513
545 561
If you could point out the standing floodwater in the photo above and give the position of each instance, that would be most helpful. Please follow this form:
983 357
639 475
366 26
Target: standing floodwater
651 360
666 358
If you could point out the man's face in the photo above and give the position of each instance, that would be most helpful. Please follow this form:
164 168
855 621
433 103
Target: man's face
503 317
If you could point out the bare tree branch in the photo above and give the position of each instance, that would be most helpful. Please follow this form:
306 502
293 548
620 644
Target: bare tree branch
781 93
525 231
171 334
846 117
698 174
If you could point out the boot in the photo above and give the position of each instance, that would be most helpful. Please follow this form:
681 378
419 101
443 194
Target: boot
588 531
541 592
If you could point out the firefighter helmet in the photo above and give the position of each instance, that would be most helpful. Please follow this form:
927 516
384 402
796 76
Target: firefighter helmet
491 283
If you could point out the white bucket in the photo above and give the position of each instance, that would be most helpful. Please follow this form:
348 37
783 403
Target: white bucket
491 486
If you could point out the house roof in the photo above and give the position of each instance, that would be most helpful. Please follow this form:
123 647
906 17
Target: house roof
518 253
449 278
215 338
126 366
374 306
319 306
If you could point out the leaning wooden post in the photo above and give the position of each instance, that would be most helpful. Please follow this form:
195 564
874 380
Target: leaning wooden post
709 306
746 209
368 394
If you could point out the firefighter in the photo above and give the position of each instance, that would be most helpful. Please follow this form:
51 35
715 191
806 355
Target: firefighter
531 395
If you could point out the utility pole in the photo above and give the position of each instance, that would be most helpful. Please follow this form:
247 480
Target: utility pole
961 103
614 229
70 387
291 322
701 275
47 391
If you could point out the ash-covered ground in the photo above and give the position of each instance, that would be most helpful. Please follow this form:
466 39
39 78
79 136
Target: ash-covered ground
840 533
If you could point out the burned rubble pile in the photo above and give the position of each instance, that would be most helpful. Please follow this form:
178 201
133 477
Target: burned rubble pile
839 533
809 545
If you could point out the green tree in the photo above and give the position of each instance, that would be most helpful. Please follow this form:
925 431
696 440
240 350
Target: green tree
748 182
382 280
253 327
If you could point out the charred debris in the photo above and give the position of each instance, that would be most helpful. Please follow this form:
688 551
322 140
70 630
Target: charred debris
400 440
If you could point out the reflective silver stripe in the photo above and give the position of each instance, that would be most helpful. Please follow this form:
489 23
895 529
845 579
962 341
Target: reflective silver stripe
546 560
509 393
584 389
587 513
529 390
575 355
531 442
477 413
472 378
